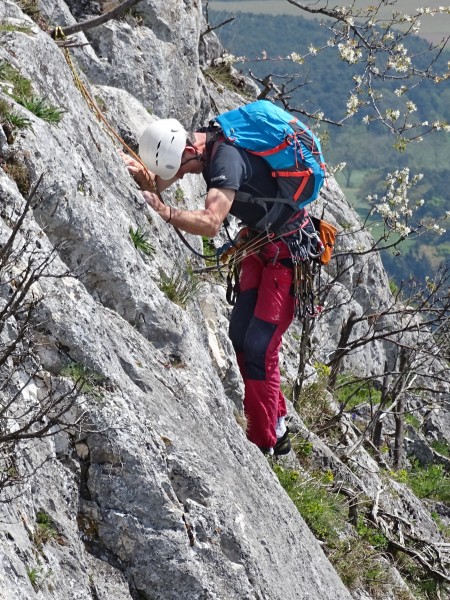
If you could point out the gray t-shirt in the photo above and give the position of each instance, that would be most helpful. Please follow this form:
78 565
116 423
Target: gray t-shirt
236 169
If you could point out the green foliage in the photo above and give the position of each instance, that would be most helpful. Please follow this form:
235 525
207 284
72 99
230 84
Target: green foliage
324 512
393 287
45 529
15 168
302 448
443 528
179 286
20 86
358 565
34 576
87 381
13 28
351 391
441 447
371 534
141 242
16 120
42 109
179 195
413 420
430 482
30 8
313 404
423 586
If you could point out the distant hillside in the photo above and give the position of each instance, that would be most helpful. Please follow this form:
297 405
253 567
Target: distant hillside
326 81
432 29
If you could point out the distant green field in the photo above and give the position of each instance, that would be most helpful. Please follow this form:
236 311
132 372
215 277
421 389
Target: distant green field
433 29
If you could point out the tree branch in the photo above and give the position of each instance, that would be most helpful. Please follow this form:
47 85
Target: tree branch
91 23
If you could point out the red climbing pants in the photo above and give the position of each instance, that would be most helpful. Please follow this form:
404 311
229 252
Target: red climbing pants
262 313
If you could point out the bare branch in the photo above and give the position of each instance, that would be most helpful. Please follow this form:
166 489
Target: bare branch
91 23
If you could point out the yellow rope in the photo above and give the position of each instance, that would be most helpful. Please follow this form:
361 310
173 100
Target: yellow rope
93 106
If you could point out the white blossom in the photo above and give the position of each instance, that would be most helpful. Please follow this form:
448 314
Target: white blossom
352 104
296 58
350 52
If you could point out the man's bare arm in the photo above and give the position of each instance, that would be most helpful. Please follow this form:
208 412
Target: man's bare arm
205 221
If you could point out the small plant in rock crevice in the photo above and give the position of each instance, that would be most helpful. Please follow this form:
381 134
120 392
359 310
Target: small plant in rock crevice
14 167
45 529
42 109
13 82
89 382
179 195
31 8
9 27
141 242
179 286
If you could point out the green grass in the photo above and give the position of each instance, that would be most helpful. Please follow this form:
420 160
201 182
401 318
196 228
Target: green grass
88 381
21 86
141 242
430 482
13 28
15 119
42 109
179 286
351 392
324 512
441 447
45 529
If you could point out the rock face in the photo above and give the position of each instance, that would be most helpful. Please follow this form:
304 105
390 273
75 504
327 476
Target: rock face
151 490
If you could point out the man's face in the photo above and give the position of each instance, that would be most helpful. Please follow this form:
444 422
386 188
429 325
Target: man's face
191 162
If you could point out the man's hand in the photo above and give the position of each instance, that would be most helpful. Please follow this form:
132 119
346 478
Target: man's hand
154 202
142 177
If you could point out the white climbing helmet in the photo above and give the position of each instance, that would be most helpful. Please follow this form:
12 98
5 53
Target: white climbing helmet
161 147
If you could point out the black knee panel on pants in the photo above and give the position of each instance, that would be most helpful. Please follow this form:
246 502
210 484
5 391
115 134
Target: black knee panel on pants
258 337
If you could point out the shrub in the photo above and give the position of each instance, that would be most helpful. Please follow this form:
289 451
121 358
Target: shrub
30 8
15 168
312 404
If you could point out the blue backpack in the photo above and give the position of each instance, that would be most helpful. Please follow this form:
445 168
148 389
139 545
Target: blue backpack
289 147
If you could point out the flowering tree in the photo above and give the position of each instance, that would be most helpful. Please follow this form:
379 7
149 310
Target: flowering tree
376 49
374 44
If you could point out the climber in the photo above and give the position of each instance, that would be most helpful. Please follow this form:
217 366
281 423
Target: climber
264 307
